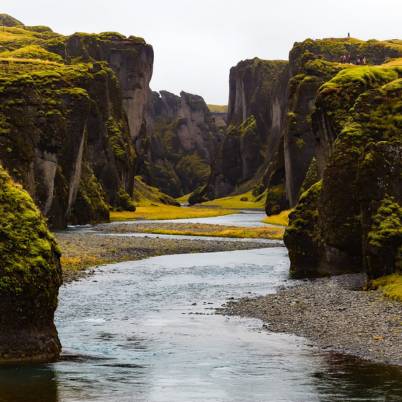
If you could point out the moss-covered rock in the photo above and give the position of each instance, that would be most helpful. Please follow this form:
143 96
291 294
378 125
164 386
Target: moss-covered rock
359 127
303 237
181 143
70 104
251 146
30 277
313 63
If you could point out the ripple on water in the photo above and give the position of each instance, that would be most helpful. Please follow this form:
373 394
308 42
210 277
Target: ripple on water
143 332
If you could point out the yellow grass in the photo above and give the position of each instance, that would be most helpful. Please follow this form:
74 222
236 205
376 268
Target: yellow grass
147 196
218 108
250 233
390 285
79 263
183 198
280 219
163 212
240 201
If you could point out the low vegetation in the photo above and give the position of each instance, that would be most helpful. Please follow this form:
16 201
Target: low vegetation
281 219
166 212
226 231
241 201
147 196
390 285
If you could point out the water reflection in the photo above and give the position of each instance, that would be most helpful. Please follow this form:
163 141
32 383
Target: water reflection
28 384
349 378
144 331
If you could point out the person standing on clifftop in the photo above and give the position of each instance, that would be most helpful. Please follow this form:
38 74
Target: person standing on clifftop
348 35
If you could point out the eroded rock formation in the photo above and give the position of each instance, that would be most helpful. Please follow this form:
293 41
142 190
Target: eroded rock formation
30 277
180 144
351 220
311 64
251 146
71 113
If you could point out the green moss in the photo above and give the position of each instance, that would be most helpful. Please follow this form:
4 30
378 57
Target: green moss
303 235
32 52
146 195
124 201
312 176
276 200
90 205
385 238
390 285
29 261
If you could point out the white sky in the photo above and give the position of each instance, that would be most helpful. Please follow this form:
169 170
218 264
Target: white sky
197 41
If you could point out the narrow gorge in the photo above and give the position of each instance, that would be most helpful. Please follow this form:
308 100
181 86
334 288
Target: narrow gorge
141 230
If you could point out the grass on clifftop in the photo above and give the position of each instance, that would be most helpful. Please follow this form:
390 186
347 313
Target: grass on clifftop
390 285
240 201
281 219
165 212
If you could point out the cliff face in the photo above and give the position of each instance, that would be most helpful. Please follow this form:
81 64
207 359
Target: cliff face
311 64
30 277
257 104
351 220
180 144
132 61
71 111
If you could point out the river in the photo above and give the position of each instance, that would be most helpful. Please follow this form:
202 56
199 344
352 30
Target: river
145 331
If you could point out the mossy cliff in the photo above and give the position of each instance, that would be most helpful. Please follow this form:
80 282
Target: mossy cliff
311 64
253 136
30 277
351 220
180 143
71 113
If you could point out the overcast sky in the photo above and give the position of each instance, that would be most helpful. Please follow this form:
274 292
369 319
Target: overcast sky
197 41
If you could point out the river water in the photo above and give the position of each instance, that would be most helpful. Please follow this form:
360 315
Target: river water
145 331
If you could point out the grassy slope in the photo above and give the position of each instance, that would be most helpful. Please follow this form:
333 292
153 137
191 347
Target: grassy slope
163 212
281 219
390 285
235 201
146 195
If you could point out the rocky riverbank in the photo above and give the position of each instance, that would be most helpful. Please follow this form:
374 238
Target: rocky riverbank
333 313
82 251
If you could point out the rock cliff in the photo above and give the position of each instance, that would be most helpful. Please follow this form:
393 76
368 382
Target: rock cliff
30 277
351 220
257 108
71 114
180 144
311 64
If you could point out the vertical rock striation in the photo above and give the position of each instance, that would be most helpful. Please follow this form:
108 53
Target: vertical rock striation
257 107
311 64
71 115
180 143
351 220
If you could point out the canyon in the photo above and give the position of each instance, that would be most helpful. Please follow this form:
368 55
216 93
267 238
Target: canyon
81 133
